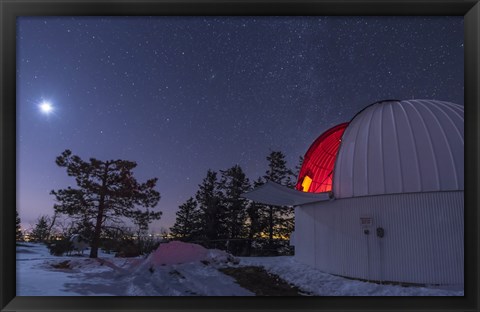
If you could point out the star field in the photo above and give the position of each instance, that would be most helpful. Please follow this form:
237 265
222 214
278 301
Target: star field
180 95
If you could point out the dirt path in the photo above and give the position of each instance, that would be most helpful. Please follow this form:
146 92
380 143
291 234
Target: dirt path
262 283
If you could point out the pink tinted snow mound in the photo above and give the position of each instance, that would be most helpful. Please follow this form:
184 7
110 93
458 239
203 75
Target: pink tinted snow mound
176 252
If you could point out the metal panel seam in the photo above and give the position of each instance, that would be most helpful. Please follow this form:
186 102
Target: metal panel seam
366 150
398 148
382 165
410 130
460 136
435 163
354 152
452 159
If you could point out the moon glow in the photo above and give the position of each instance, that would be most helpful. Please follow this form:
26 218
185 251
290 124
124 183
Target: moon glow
46 107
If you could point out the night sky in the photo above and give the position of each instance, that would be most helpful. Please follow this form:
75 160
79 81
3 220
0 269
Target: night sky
180 95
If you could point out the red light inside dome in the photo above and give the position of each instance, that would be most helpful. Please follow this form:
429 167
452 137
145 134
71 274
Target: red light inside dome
319 161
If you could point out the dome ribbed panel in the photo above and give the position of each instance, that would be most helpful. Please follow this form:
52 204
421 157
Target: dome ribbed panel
401 147
374 154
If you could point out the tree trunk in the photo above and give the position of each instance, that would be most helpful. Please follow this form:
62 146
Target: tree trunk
249 241
270 225
98 230
98 225
52 224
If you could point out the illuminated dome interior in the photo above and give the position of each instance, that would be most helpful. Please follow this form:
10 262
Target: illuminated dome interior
317 170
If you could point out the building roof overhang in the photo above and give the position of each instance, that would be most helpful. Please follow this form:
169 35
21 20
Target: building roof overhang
272 193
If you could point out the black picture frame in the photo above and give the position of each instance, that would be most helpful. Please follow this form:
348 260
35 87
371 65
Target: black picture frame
10 9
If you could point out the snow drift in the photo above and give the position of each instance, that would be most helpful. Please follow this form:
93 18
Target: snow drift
110 276
177 252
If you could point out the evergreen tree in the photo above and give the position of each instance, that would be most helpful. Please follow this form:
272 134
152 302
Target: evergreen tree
142 219
107 192
278 220
233 184
254 211
18 235
84 227
298 167
277 169
209 200
187 221
41 233
52 223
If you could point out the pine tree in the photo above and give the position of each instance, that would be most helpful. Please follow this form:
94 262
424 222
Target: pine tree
142 219
209 200
298 167
107 192
233 184
85 227
277 169
18 226
254 211
40 233
187 221
278 220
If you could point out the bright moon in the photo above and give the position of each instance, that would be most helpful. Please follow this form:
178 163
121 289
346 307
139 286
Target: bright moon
46 107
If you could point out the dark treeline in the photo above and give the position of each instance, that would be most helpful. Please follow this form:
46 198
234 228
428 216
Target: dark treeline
217 212
18 227
216 216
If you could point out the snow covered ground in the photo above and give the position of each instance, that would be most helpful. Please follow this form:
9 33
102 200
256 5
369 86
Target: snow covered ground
177 269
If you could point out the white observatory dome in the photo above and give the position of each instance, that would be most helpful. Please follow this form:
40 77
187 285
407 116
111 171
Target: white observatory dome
401 147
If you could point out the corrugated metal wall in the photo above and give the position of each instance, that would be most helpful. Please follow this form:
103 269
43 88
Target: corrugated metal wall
304 218
423 240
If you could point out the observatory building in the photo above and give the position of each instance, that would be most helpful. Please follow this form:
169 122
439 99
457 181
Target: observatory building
381 197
